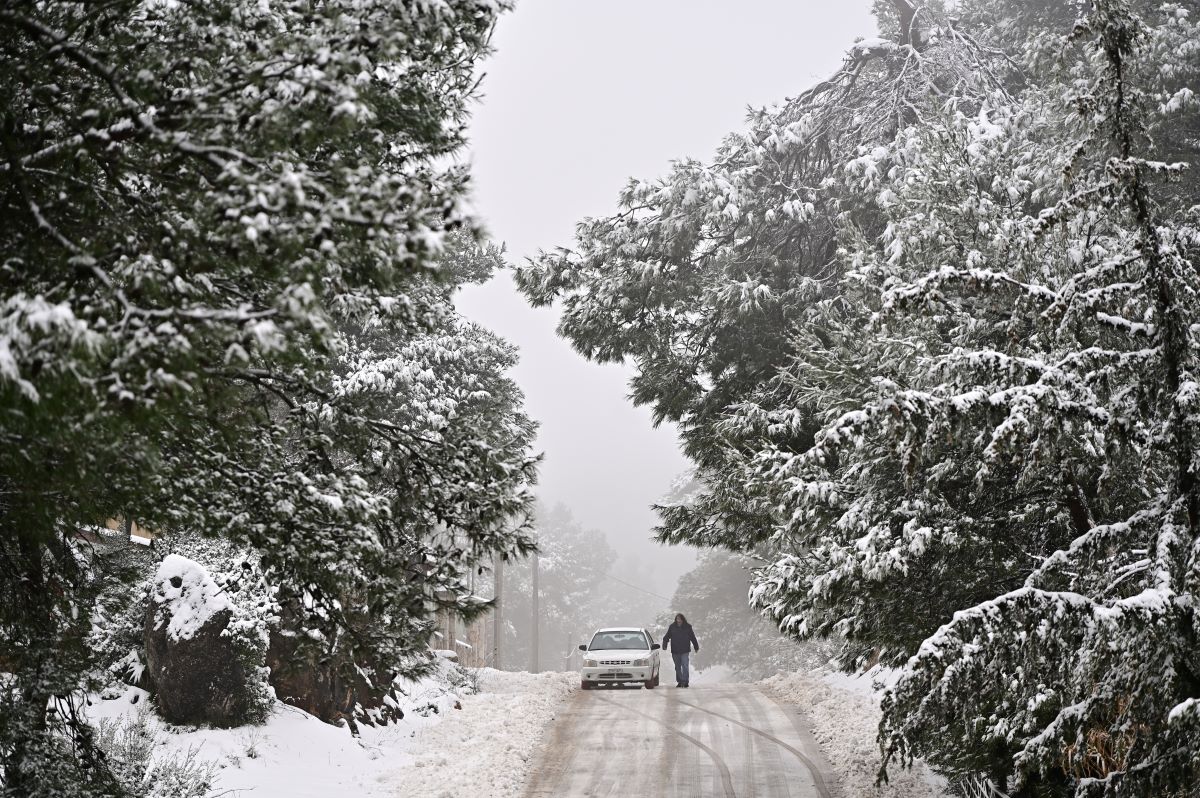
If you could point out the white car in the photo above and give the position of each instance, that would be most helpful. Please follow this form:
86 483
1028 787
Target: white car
620 655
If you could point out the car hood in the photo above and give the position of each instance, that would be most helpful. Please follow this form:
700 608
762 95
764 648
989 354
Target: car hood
618 653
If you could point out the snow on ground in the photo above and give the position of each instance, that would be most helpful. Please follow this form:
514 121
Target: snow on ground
486 750
844 713
450 742
713 674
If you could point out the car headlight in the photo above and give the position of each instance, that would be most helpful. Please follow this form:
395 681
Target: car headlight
641 662
591 663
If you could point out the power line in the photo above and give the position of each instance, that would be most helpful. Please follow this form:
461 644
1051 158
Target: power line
635 587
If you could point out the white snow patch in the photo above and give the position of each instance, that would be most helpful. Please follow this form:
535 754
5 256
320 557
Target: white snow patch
1190 705
711 674
485 750
184 592
448 744
844 713
292 755
866 46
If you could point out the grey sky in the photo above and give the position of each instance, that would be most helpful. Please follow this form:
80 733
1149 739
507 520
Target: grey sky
580 96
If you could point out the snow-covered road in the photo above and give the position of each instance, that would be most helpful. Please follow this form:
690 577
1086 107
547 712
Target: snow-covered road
725 740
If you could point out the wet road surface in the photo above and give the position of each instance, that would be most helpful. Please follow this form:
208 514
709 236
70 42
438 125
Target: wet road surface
721 740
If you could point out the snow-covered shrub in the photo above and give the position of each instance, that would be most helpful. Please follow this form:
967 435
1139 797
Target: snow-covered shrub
130 743
121 570
464 681
117 636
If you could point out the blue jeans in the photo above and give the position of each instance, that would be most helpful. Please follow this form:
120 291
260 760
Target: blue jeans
681 666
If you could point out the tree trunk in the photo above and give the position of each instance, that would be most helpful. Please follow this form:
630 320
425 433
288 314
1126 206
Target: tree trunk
497 615
534 659
910 26
30 665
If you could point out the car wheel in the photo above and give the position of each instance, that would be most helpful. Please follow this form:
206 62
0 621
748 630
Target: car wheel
585 686
656 679
649 683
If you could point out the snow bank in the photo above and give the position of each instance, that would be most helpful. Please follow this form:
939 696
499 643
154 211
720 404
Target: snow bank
486 749
450 742
184 591
291 755
844 713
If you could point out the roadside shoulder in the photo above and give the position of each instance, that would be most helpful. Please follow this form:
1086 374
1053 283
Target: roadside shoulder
844 718
486 748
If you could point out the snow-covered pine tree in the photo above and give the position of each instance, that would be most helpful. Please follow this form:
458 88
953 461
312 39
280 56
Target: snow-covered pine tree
205 208
705 277
373 487
883 528
1087 675
702 275
989 402
974 380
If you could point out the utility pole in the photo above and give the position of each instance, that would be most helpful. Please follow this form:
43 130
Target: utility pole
533 621
497 622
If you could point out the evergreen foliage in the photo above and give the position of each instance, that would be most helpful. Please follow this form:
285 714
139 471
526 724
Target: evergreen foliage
928 332
225 309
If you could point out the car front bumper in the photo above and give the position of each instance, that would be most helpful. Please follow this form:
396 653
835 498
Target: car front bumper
616 674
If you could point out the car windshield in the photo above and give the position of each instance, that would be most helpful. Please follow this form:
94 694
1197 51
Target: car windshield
610 640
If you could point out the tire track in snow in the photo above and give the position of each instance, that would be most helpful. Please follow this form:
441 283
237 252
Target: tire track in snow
670 755
726 776
751 704
814 771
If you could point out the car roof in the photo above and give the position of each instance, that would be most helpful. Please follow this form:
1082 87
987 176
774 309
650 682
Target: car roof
620 629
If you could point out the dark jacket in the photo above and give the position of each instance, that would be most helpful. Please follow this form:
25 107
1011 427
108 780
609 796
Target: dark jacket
683 637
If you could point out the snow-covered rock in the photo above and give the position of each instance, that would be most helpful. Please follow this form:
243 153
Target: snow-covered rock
185 597
196 669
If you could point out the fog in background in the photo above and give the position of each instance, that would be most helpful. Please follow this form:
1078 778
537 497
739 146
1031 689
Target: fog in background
580 96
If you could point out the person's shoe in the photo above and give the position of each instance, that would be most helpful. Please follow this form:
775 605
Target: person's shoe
683 685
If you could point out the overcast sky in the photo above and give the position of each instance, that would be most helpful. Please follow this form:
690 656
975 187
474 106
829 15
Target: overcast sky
580 96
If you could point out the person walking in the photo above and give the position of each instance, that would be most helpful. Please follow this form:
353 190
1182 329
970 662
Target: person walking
681 639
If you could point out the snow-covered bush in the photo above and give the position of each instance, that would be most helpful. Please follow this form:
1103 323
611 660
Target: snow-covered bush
130 744
121 571
437 691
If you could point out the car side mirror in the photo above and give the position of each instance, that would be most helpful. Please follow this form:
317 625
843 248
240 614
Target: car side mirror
582 647
655 647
